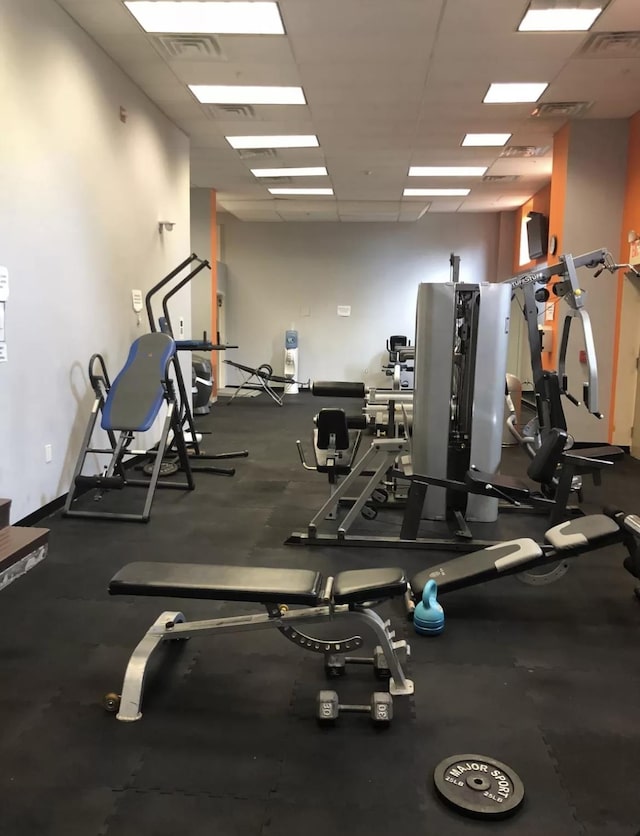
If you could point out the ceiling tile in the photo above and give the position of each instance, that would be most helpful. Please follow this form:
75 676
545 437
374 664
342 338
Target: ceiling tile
387 85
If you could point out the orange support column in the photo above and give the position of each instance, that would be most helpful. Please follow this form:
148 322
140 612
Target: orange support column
215 359
557 206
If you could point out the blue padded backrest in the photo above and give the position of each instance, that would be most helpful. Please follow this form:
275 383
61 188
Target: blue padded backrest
137 393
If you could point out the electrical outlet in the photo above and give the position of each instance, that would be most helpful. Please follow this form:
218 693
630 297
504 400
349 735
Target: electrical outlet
48 453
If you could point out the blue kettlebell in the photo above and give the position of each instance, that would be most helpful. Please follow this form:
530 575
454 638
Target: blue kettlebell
428 617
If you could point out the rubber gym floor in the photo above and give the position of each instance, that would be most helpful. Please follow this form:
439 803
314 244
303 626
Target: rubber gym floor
544 679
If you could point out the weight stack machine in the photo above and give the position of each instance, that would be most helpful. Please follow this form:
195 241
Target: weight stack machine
459 389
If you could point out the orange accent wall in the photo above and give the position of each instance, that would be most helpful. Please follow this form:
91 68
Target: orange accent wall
215 355
630 220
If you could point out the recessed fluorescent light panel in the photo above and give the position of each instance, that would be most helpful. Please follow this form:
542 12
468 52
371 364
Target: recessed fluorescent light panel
299 141
447 170
239 94
302 191
484 140
319 171
214 18
575 16
436 192
512 93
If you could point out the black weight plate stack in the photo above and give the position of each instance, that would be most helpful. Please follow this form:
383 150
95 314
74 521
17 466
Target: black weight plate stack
478 786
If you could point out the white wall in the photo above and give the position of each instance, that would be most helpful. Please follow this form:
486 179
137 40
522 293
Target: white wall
201 244
82 194
294 275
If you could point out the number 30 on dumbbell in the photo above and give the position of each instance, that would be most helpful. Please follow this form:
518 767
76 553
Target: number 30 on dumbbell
380 708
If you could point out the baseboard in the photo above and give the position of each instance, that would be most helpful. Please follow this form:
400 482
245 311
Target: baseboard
44 512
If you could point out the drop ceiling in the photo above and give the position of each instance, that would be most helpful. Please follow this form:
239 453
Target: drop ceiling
388 84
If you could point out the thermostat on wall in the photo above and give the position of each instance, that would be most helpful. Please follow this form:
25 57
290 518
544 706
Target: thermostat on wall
344 310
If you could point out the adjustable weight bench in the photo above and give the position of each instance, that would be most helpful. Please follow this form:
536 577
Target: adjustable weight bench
343 598
518 557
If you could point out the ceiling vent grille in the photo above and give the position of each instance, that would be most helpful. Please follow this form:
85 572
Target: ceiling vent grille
525 151
190 47
561 110
611 45
231 111
276 181
500 178
257 153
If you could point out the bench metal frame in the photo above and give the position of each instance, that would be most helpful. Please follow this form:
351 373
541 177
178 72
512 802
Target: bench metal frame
171 626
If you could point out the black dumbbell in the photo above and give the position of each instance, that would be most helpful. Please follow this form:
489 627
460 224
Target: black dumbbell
336 666
369 512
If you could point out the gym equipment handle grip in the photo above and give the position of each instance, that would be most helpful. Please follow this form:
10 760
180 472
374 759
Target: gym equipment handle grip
338 389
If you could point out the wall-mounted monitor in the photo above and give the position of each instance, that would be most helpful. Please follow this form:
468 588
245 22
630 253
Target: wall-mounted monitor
537 234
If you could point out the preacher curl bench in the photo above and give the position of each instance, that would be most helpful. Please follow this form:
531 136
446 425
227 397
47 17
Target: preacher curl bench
346 598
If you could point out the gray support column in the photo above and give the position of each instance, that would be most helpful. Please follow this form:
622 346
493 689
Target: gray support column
435 320
488 392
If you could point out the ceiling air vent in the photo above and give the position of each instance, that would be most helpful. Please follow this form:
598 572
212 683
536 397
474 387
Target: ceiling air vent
190 47
230 111
257 153
276 181
500 178
611 45
524 151
561 110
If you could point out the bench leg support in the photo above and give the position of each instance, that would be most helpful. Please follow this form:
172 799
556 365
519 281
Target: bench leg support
133 685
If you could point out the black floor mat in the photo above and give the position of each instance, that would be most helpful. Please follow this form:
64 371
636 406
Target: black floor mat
544 679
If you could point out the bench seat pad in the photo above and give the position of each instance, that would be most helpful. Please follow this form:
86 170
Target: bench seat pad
360 585
219 583
582 531
255 584
490 563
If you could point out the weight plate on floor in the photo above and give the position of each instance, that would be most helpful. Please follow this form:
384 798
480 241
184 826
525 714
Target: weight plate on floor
545 574
167 468
478 786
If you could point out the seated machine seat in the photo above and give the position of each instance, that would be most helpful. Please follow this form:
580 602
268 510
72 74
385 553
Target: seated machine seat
335 445
605 452
254 584
582 531
489 562
542 468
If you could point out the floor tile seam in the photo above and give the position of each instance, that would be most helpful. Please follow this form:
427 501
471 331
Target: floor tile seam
565 789
41 710
608 736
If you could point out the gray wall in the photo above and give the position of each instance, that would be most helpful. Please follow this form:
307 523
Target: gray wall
294 275
596 177
82 194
